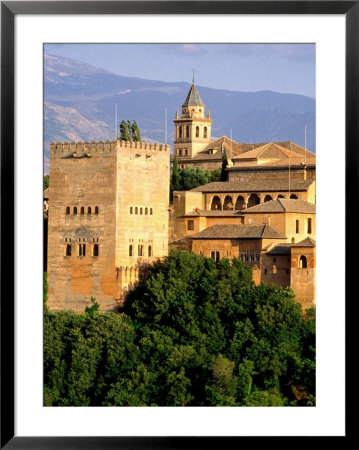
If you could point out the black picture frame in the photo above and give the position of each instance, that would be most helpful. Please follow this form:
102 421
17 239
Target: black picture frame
8 12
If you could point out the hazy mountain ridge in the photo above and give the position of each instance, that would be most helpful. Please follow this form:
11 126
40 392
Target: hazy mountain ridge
80 105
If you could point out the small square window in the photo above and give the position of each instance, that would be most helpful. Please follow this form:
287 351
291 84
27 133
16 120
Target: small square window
190 225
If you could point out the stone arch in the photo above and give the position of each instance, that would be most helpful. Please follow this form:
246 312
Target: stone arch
228 203
216 203
280 196
293 197
303 262
240 203
267 198
253 200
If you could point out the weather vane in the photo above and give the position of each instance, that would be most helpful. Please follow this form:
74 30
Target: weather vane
193 71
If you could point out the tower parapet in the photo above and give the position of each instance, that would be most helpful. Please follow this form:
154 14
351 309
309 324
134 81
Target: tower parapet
78 149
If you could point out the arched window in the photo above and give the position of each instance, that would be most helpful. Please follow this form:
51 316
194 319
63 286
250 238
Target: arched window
89 210
267 198
146 211
303 262
228 203
239 203
216 203
141 211
96 210
205 132
151 211
150 250
187 131
280 196
95 250
68 250
130 250
294 197
140 250
75 210
253 200
197 131
82 249
131 210
136 210
82 210
67 210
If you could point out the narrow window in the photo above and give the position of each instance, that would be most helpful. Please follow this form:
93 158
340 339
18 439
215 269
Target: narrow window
75 210
215 254
82 210
146 211
187 131
246 257
96 210
265 271
257 257
68 250
149 250
274 260
190 225
141 211
180 132
82 249
136 210
309 226
186 151
179 152
297 226
67 210
302 262
197 131
89 210
252 257
131 210
130 250
95 250
140 250
205 132
151 212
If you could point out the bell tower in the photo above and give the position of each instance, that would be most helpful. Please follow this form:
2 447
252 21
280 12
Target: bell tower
192 129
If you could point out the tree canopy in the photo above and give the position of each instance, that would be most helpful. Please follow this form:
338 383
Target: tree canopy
191 177
129 131
193 332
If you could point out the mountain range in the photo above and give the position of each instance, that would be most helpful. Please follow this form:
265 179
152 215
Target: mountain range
80 106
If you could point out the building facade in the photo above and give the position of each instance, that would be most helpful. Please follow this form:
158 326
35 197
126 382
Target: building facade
108 217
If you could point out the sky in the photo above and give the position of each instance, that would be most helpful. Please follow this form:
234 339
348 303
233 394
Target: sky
284 68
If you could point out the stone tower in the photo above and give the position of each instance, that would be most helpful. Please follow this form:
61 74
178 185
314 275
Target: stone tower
108 217
192 129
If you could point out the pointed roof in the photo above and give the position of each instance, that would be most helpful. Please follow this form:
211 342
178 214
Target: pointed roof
229 231
281 205
307 242
193 98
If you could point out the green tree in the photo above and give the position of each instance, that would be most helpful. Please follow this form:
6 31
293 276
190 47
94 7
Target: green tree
135 132
125 134
223 176
46 182
175 178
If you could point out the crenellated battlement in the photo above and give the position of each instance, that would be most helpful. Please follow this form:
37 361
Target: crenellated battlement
81 149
